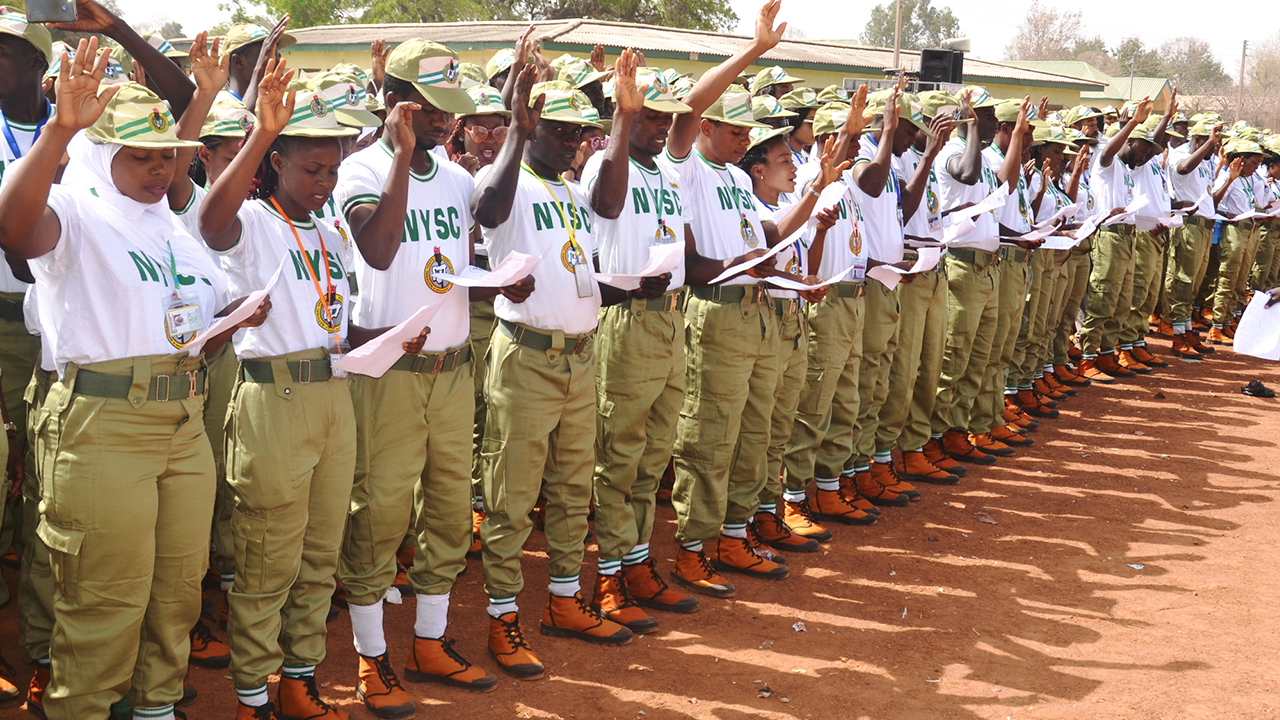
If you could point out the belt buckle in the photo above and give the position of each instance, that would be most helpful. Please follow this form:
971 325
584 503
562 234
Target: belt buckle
580 343
757 294
415 367
307 365
672 301
439 364
793 306
192 377
165 378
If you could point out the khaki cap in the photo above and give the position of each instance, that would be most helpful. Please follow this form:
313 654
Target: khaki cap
772 76
661 94
565 103
830 118
488 101
800 98
759 136
242 34
908 109
348 97
314 116
734 108
137 117
14 22
434 71
227 118
764 107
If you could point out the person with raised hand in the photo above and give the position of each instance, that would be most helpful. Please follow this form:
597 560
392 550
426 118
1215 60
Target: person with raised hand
121 287
291 437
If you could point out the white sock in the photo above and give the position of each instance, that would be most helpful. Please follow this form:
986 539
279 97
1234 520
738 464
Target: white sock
795 496
499 606
225 581
829 484
638 555
298 672
692 546
608 567
734 530
156 713
366 627
432 616
564 585
255 697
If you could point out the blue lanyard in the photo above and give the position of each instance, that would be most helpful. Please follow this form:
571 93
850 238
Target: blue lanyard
8 134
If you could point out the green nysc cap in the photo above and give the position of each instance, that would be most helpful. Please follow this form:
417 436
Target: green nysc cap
14 22
137 117
936 102
800 98
434 71
488 101
765 107
242 34
772 76
576 71
1007 111
314 116
1079 114
348 97
733 108
471 75
979 97
1243 147
564 103
661 94
830 118
760 136
501 60
833 93
227 118
909 109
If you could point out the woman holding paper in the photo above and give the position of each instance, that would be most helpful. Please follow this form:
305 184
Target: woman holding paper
291 444
120 441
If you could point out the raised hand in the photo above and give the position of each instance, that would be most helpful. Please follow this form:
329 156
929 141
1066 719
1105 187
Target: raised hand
272 43
209 72
79 102
275 99
523 117
1082 160
398 127
829 171
828 218
1042 111
469 162
767 36
524 44
1144 110
378 53
629 98
597 57
1173 102
890 117
857 106
941 127
1236 168
546 73
1023 112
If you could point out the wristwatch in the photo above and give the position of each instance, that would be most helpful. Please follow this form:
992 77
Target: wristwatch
813 191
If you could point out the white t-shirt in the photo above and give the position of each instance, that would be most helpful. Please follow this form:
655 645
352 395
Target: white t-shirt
1054 199
926 222
189 215
1112 185
720 208
1192 186
1016 212
1261 189
103 295
844 245
436 239
1149 181
24 136
986 233
298 320
794 258
882 215
654 214
1238 198
555 218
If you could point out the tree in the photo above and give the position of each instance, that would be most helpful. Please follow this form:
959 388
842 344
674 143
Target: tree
1094 51
694 14
922 25
1046 33
1135 58
1190 64
429 11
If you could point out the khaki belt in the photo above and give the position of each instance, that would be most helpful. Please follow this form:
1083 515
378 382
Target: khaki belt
302 372
1014 254
1121 229
11 310
432 363
850 290
1197 221
786 306
977 258
670 301
538 340
162 388
732 293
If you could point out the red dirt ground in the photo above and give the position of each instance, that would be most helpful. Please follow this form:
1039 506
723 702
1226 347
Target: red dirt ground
1128 574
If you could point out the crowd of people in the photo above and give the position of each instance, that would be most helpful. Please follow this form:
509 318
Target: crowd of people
776 307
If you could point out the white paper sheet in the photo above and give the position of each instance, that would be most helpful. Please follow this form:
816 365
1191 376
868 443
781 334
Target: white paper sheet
376 357
1088 227
235 317
1059 242
1065 212
788 284
957 230
662 259
742 267
995 200
1258 333
890 276
514 267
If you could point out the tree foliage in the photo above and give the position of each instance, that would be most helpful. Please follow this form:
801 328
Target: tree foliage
1134 58
1190 64
1046 33
696 14
923 25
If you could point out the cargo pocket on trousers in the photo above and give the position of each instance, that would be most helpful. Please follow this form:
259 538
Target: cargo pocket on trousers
64 543
493 466
358 547
811 394
604 428
250 542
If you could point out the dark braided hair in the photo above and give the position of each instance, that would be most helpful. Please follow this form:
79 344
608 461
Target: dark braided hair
757 154
197 171
266 180
802 114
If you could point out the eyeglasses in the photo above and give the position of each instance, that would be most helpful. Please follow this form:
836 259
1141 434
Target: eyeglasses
480 133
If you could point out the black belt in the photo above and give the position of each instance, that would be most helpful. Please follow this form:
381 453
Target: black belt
11 310
977 258
432 363
786 306
1245 225
850 290
302 372
1014 254
731 293
1197 221
162 388
1121 229
482 262
538 340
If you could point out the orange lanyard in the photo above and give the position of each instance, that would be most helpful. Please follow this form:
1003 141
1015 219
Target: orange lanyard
311 272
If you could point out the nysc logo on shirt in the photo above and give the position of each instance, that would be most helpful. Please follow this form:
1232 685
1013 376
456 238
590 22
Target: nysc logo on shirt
329 312
572 256
435 266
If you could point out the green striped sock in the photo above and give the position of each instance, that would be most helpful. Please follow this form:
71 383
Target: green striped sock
297 672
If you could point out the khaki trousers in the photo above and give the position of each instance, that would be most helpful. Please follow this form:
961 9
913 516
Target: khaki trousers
1015 276
1188 253
412 429
827 407
793 365
1232 248
1148 270
35 580
291 454
126 492
542 408
917 363
482 324
972 305
1077 269
640 385
731 350
879 343
1110 288
223 368
1027 360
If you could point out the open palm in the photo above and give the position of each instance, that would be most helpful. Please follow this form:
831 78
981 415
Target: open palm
209 72
79 102
275 99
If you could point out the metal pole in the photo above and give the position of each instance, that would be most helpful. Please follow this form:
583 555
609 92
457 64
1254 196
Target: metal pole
1244 51
897 35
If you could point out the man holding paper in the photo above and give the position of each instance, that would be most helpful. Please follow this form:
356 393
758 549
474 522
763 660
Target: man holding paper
408 209
1233 192
1190 180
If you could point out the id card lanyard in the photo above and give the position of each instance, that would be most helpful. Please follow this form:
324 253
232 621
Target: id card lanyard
748 232
664 234
181 316
8 132
581 276
326 299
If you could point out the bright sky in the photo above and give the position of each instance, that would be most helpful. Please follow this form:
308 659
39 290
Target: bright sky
987 22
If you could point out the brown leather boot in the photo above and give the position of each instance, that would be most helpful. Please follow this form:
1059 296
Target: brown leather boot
651 591
1031 405
989 445
957 445
477 517
1164 329
935 453
299 699
1219 337
1074 352
243 712
1090 371
1144 356
876 492
833 505
1042 387
508 646
1127 361
379 689
759 547
775 533
404 561
1065 376
694 571
572 617
208 651
915 467
1109 363
849 489
1182 349
1193 339
35 691
435 660
800 521
1010 437
1052 382
736 555
886 477
611 599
